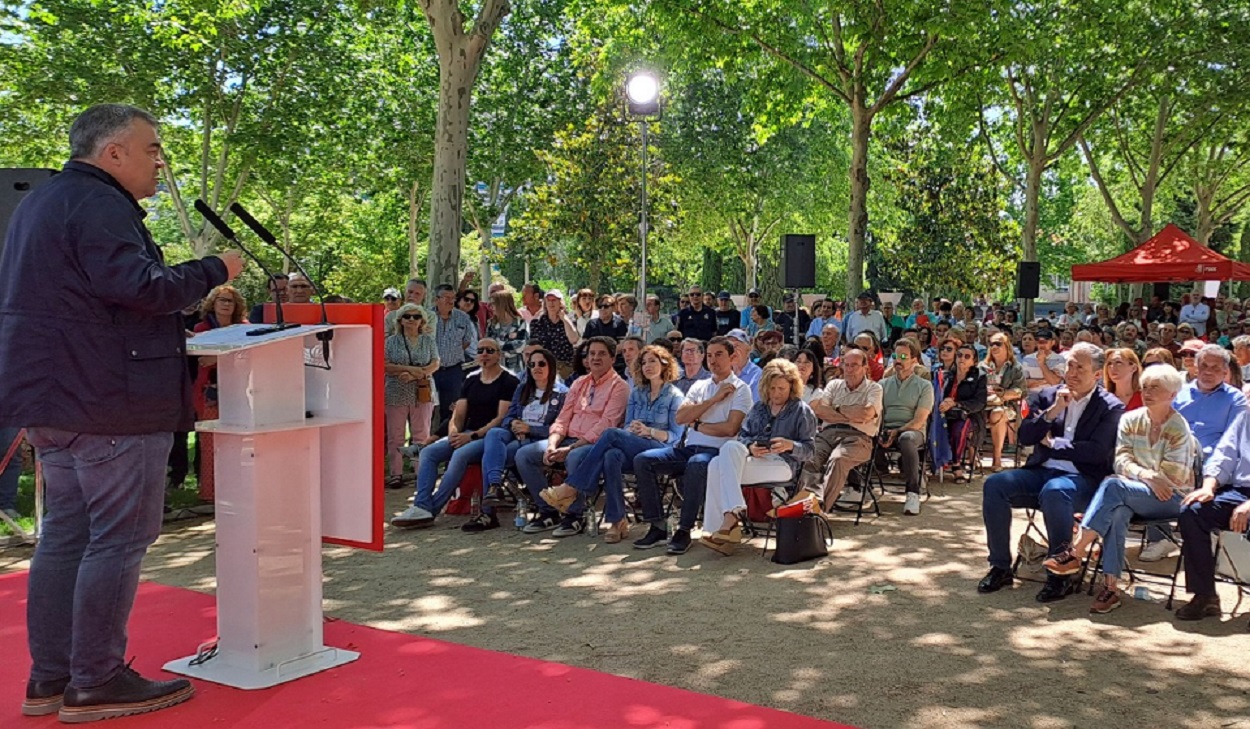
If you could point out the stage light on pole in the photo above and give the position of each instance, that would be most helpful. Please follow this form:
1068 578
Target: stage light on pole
642 99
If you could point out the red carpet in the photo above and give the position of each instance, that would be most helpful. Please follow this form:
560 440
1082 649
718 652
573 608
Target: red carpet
400 681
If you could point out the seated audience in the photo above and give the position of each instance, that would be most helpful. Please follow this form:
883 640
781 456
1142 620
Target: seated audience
608 323
554 330
650 423
277 292
868 342
483 402
906 402
584 310
1158 355
1005 378
1073 429
534 407
964 395
1222 503
744 368
811 373
1154 459
1121 376
595 402
507 327
692 369
851 411
771 447
1044 368
712 414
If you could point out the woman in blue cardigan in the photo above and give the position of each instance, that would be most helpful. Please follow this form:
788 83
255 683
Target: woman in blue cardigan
534 408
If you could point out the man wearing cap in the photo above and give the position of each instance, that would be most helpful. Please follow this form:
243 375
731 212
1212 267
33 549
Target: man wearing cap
1045 367
753 299
1210 405
727 316
391 302
696 320
864 319
785 320
743 367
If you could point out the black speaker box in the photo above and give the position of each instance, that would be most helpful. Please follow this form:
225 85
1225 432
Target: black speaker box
1028 279
798 261
15 183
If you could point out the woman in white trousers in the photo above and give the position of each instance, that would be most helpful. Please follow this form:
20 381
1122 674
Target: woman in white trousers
776 438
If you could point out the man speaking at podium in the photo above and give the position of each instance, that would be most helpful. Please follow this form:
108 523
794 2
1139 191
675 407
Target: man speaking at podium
93 363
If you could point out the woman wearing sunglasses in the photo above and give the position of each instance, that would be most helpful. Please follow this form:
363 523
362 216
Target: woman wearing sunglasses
1006 381
411 357
535 405
963 405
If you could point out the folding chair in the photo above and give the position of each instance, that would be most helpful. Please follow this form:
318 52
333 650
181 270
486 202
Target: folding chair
891 458
780 492
862 474
1135 573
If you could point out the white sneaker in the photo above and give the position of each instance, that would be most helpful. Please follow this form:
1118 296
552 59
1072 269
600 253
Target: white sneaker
851 495
1156 551
413 516
911 506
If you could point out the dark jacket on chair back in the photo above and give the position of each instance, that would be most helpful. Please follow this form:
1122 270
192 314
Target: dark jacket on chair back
91 334
1092 449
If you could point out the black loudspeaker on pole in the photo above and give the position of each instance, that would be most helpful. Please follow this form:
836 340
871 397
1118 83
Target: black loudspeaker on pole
1028 280
798 261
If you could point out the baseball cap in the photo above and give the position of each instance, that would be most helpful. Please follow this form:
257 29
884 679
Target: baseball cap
557 293
1192 345
864 295
390 293
753 292
1044 333
739 335
787 298
723 295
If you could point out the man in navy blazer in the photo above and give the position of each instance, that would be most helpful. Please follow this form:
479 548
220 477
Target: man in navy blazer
1072 428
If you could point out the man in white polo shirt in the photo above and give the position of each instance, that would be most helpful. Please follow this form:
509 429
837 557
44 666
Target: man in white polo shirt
851 410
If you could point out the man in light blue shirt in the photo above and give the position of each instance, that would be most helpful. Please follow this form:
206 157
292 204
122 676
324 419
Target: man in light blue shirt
1222 504
743 367
822 314
1208 403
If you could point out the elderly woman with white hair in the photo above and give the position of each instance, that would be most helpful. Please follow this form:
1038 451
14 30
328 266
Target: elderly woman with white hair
1154 459
775 439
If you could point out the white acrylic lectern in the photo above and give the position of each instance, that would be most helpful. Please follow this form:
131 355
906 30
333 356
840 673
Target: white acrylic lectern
293 434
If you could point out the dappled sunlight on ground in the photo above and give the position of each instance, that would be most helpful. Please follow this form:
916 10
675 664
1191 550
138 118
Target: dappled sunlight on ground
887 631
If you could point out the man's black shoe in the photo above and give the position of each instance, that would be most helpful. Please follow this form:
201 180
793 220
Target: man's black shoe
497 495
1055 589
1201 606
680 543
995 580
44 697
127 693
654 537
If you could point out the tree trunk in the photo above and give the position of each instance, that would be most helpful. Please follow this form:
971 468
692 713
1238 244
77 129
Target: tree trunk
451 143
861 131
1204 197
1243 288
414 214
1028 235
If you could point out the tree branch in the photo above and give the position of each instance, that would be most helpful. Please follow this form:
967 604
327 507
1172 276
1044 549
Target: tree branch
1105 191
891 91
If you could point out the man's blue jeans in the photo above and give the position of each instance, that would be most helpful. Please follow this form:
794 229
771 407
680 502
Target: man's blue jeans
105 496
457 460
10 476
529 463
1109 513
1058 494
611 457
689 461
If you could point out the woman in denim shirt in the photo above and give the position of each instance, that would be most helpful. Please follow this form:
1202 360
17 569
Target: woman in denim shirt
535 406
650 422
775 440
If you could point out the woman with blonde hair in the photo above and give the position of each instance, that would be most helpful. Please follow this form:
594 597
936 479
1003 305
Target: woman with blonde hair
1157 355
222 307
411 358
506 327
1007 382
650 422
1121 376
776 438
584 309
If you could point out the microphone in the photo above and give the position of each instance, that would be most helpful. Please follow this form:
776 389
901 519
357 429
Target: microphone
212 219
263 233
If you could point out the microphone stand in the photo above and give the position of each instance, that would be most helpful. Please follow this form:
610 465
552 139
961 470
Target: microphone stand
212 219
264 234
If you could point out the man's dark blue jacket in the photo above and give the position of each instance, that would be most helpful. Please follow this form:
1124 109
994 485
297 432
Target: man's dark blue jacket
91 338
1092 450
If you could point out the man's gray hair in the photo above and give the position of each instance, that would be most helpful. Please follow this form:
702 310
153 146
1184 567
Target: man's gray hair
99 125
1242 341
1213 350
1096 356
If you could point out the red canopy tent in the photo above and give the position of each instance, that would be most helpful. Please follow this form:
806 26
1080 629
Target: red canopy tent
1170 256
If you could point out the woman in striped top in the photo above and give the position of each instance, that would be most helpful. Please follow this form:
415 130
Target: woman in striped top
1154 467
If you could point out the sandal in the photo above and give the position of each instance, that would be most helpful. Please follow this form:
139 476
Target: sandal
617 532
720 536
725 548
553 498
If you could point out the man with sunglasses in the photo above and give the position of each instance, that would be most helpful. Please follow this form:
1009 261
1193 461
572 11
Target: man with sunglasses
609 323
697 320
906 401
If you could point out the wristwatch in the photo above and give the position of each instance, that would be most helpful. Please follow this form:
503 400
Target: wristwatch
697 423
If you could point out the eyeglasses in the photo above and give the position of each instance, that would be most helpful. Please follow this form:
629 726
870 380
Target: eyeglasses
411 317
996 344
902 357
967 355
606 305
487 350
537 364
948 349
469 300
390 298
299 286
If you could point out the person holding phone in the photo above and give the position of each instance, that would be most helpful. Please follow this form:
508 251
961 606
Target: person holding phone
775 440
